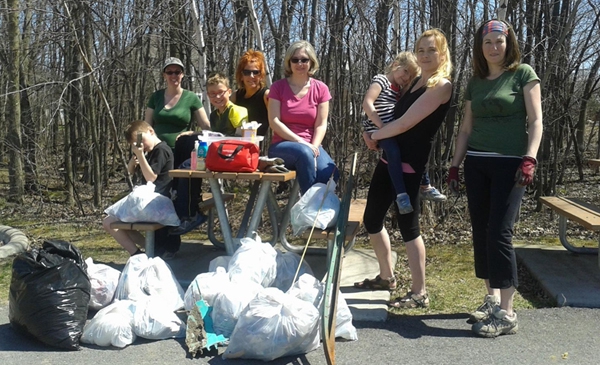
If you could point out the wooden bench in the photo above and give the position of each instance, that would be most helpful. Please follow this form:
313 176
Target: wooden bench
355 219
594 162
587 215
150 227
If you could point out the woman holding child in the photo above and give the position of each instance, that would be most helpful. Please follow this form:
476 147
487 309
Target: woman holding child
298 112
419 113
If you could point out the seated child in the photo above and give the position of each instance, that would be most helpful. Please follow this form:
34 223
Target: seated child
154 158
226 118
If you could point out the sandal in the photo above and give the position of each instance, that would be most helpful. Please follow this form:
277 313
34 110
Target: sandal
377 284
410 300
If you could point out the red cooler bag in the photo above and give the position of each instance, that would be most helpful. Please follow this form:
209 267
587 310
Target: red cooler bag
232 155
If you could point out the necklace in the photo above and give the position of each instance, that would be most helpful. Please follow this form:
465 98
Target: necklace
298 87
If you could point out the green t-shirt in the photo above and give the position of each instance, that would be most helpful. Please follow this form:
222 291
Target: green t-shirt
233 117
169 123
499 113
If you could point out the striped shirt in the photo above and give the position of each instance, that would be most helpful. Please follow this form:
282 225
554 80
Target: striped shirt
385 102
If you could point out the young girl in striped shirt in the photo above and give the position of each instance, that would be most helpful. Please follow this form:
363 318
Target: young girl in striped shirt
378 104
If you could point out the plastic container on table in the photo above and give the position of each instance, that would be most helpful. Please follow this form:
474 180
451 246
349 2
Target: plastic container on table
208 138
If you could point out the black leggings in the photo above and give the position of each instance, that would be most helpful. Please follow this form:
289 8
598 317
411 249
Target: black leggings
494 202
382 194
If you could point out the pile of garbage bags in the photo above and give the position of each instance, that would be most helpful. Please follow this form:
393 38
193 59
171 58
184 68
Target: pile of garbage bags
255 302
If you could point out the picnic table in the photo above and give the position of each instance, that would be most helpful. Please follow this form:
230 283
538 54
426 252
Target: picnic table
257 202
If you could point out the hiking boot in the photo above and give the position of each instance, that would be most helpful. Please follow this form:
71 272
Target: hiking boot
188 224
403 202
497 324
432 194
485 310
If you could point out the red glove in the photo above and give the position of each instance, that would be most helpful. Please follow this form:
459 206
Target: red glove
524 175
452 180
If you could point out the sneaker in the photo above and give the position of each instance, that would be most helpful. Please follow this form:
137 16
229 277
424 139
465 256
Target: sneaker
188 224
432 194
403 202
497 324
485 310
168 255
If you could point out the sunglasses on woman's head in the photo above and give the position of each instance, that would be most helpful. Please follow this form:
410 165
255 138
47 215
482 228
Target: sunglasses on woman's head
300 60
177 73
251 72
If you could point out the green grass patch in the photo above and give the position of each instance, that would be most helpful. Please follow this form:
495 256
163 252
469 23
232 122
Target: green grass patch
452 285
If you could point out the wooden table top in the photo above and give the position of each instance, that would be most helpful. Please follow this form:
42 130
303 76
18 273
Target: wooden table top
257 175
594 162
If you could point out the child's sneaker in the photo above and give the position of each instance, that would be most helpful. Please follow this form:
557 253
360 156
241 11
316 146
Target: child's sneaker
403 202
432 194
188 224
485 310
499 323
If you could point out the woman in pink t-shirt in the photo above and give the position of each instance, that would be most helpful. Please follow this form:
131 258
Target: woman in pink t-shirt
298 111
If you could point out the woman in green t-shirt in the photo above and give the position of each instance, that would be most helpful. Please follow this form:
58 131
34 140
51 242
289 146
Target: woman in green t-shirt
171 110
500 136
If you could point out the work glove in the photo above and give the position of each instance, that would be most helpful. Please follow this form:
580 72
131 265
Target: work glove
271 164
276 169
452 180
524 175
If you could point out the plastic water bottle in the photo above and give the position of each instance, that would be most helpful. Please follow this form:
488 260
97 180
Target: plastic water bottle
201 156
194 157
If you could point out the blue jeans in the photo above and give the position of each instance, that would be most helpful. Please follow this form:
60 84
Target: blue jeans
394 162
299 157
188 194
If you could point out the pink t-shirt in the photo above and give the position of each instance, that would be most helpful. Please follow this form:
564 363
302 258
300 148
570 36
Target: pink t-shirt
299 115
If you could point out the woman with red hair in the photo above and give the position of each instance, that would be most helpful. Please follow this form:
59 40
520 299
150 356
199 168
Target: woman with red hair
252 92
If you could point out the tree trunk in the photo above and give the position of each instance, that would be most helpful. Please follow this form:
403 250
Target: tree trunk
13 138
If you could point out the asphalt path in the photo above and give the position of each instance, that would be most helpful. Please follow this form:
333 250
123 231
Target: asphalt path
546 336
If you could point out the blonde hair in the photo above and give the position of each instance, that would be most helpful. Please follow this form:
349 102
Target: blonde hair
444 70
310 51
217 79
405 59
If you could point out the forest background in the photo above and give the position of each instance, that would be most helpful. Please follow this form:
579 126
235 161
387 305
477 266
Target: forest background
73 73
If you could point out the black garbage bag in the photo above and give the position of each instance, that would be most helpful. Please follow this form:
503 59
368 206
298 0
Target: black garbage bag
49 294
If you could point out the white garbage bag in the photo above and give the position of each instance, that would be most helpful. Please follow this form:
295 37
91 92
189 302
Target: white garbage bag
273 325
104 280
112 325
253 261
206 286
319 206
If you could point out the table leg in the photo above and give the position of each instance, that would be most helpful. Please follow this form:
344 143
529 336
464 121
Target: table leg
248 212
149 247
274 216
261 200
562 235
215 188
210 231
